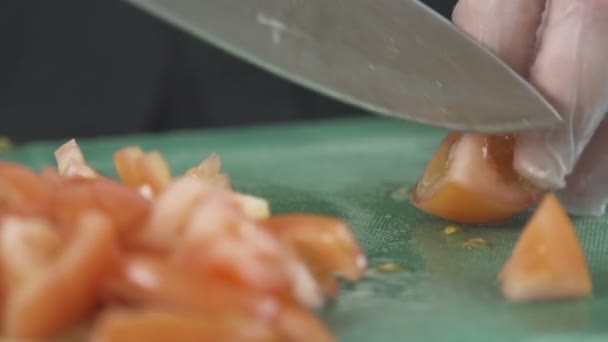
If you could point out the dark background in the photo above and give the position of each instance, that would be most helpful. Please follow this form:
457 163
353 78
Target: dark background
82 68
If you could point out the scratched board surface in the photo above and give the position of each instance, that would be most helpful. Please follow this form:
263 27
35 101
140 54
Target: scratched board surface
360 169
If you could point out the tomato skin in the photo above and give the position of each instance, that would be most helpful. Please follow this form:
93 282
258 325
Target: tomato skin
471 180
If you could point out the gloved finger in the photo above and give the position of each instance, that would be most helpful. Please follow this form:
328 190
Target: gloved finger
571 70
507 28
586 192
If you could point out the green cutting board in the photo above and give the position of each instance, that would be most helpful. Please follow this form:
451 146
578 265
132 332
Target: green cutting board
358 169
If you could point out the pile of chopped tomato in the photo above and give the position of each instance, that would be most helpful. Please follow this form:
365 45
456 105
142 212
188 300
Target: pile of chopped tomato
154 257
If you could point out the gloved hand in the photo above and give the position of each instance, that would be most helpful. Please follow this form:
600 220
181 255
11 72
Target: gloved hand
561 46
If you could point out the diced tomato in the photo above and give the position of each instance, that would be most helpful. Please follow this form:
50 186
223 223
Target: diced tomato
112 198
28 247
22 191
162 326
210 171
253 207
548 261
71 161
143 170
221 243
189 260
471 180
326 244
151 282
153 171
298 325
170 213
75 196
125 161
60 297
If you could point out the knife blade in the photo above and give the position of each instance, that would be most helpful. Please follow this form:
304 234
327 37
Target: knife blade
397 58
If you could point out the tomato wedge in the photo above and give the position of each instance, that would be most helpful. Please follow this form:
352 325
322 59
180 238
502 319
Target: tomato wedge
471 180
548 261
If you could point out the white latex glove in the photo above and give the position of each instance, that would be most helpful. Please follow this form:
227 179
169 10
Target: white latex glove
561 46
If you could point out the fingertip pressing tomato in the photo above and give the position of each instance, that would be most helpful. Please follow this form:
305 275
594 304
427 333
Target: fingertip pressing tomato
547 261
471 180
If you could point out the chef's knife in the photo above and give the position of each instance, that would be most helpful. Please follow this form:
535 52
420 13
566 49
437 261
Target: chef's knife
393 57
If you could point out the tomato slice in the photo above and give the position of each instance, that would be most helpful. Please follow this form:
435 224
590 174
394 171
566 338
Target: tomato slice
63 295
471 180
548 261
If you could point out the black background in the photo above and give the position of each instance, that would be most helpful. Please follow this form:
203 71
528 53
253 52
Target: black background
81 68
